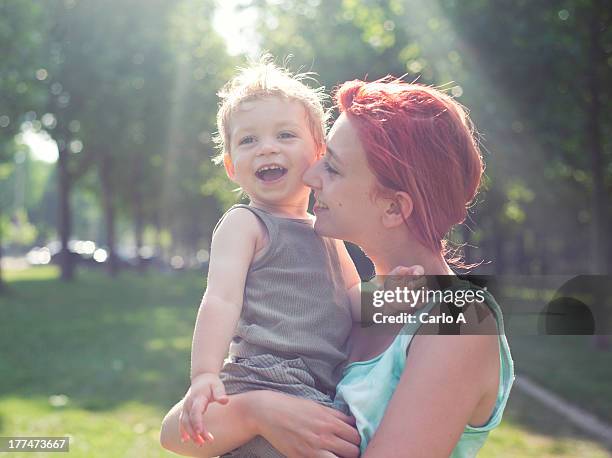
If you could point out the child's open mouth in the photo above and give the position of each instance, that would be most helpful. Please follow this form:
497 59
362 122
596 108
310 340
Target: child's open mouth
271 173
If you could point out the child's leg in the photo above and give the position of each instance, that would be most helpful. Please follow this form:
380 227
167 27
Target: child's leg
256 448
225 422
274 373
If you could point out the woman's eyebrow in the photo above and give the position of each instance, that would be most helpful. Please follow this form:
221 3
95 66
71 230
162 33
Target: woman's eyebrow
333 156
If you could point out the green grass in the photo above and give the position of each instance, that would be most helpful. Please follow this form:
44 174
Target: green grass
571 366
118 350
103 360
530 430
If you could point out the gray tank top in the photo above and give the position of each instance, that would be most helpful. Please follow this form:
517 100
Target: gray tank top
295 301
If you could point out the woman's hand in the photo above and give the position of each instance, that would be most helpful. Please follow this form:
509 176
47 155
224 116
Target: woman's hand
303 428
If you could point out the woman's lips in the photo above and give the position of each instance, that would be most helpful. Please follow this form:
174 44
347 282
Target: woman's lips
319 207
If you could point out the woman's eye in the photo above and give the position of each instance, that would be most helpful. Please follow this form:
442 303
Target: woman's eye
246 140
286 135
329 169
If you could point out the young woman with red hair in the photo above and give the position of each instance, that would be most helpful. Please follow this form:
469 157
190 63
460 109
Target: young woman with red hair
401 169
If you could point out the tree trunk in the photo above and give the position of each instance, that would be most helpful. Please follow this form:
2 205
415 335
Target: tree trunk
138 223
542 253
500 261
64 217
2 285
593 106
109 214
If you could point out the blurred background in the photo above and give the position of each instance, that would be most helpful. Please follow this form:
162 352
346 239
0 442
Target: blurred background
108 196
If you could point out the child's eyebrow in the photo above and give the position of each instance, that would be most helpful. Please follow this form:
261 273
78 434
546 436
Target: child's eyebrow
278 125
240 131
290 124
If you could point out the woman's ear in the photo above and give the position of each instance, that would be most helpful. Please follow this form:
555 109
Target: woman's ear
397 209
229 167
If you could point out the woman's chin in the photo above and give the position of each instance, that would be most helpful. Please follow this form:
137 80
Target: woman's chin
322 227
326 228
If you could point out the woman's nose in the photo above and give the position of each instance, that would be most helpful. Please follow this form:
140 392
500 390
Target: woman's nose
312 176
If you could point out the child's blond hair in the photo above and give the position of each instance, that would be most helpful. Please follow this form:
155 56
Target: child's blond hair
263 78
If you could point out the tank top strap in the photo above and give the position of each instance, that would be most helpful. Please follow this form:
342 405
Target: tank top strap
408 331
506 371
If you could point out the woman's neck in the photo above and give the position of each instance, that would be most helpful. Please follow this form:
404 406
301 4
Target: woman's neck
398 248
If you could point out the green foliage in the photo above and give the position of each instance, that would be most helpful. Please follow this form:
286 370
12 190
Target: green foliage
21 41
135 94
17 229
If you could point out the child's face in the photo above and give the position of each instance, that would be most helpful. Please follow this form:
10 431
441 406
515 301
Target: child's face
271 146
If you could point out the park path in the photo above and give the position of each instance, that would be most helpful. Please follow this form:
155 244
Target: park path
582 419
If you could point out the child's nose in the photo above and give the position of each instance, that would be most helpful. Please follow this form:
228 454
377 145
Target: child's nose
312 176
268 147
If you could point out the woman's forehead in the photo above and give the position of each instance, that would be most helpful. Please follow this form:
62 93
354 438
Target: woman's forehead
343 142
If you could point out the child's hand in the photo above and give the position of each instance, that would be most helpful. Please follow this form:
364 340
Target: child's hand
415 270
205 388
404 277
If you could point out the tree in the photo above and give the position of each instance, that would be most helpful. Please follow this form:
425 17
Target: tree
20 46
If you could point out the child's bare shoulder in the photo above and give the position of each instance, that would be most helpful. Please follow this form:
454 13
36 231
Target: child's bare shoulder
240 223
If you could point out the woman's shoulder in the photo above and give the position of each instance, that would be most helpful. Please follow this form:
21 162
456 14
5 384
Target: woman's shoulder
480 315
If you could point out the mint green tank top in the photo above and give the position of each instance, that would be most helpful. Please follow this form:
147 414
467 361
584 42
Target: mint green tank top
361 388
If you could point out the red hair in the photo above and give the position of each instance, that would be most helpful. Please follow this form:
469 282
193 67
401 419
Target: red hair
420 141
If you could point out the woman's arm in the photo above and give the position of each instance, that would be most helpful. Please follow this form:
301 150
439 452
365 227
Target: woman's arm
444 380
295 427
303 428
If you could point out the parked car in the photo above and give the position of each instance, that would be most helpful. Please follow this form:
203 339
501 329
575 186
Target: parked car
83 252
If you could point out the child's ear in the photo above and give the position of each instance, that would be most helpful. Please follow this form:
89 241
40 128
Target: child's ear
397 209
229 167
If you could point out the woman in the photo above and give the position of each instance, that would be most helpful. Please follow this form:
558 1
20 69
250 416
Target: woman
401 168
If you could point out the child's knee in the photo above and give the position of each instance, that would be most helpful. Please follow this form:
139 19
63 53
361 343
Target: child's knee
169 436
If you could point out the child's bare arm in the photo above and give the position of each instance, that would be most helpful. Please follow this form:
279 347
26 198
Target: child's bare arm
233 247
232 250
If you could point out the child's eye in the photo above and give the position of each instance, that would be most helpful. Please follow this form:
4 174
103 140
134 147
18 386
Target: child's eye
329 169
246 140
286 135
